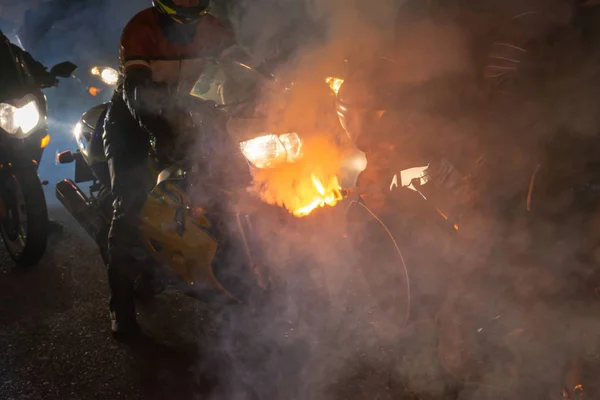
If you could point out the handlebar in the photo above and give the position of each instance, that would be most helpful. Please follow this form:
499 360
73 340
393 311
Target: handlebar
45 85
351 192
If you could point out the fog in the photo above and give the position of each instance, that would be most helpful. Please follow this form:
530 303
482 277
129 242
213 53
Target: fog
505 310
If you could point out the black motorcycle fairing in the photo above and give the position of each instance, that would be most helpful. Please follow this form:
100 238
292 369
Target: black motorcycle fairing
15 77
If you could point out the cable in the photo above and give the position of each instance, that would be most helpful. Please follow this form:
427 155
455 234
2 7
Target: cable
408 305
531 186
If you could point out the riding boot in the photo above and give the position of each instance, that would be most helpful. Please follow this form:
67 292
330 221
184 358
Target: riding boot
122 301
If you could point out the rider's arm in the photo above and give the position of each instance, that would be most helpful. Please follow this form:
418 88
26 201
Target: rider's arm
144 97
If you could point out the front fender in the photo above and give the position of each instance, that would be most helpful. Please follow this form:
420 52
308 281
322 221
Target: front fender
8 167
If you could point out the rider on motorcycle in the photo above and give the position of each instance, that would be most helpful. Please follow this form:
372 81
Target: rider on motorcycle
158 47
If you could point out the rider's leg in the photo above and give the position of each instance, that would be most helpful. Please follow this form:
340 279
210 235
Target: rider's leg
126 148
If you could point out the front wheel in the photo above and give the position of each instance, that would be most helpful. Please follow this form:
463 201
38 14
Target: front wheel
24 221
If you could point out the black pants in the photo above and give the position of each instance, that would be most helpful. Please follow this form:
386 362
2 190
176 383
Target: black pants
126 147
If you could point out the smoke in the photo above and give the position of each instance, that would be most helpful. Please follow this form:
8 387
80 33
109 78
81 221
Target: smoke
501 309
319 327
272 29
500 318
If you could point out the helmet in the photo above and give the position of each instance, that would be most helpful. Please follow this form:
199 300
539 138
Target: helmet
182 11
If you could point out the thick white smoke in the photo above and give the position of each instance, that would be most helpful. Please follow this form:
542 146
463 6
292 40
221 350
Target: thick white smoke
512 312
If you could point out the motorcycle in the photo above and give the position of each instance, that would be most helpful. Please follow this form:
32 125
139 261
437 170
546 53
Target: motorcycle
204 247
24 132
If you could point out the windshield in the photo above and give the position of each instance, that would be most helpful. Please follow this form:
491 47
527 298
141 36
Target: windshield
227 82
14 74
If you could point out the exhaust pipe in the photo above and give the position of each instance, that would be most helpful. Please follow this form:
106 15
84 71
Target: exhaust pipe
78 205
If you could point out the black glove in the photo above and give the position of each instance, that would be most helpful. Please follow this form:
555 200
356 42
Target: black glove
146 100
164 140
165 150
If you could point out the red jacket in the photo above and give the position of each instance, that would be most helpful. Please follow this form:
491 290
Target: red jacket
145 44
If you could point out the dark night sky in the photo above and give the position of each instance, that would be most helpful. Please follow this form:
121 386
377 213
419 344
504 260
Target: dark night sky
55 29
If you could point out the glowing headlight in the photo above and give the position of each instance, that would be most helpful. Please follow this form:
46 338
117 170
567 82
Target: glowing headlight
25 118
334 83
110 76
269 150
80 139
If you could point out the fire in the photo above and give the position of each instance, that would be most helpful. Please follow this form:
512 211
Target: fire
306 184
334 83
325 195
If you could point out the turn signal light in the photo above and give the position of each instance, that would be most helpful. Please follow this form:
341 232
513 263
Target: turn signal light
65 157
45 141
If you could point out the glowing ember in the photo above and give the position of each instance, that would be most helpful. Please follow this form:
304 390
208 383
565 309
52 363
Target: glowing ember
306 184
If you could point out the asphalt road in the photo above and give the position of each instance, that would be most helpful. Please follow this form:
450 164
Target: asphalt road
55 341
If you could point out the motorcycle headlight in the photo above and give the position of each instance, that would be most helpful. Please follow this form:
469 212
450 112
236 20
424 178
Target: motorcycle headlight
80 139
25 118
271 149
110 76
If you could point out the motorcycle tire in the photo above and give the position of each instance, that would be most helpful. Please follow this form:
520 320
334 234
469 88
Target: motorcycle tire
24 223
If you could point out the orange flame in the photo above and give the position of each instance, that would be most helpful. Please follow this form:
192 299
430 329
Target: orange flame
326 195
304 185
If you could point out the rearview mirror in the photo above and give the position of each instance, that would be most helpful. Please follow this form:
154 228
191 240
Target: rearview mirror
64 69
